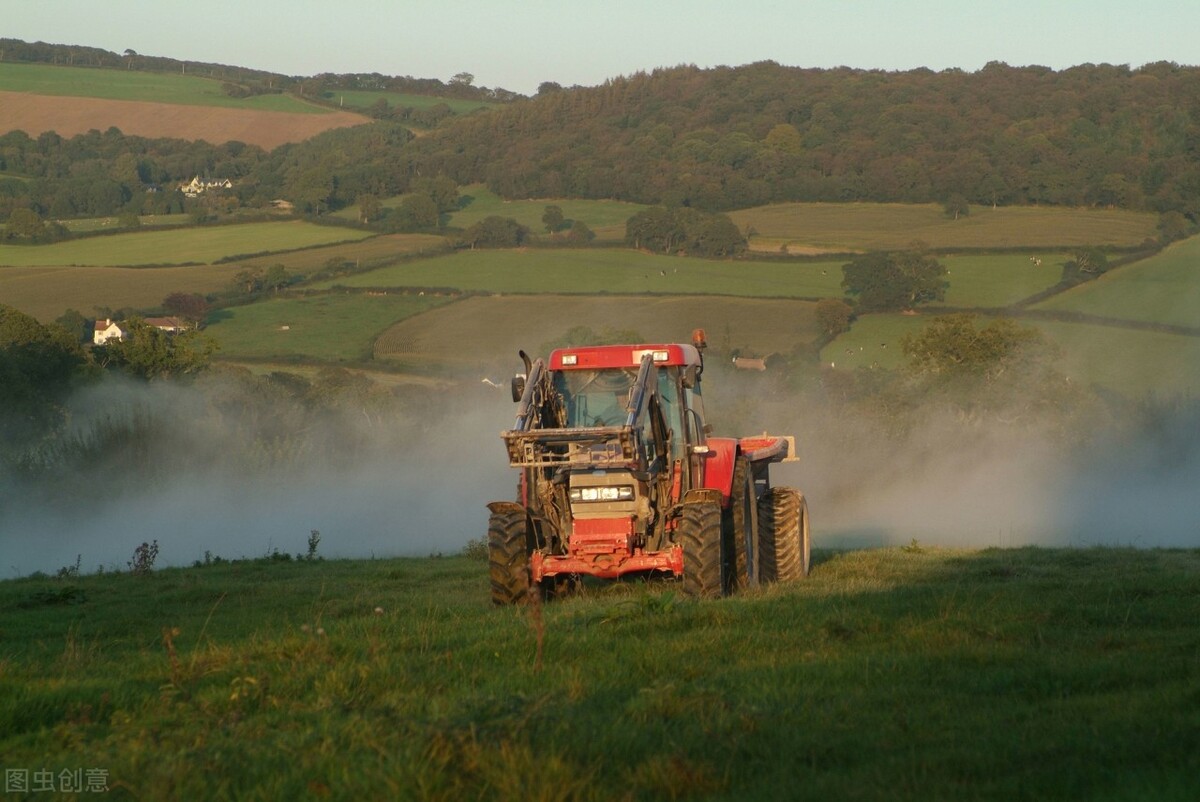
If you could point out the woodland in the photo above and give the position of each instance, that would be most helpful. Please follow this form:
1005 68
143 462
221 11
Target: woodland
712 139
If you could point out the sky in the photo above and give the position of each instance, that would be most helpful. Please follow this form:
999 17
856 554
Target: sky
518 44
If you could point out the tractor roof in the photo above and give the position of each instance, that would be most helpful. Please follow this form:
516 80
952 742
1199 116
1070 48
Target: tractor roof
594 357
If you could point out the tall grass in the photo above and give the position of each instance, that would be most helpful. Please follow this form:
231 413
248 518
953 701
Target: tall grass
892 674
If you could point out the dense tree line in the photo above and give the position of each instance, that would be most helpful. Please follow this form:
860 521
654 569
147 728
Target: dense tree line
736 137
707 139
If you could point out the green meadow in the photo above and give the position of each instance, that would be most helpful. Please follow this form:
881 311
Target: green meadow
333 328
890 674
975 280
359 100
154 87
891 226
202 245
606 218
1162 289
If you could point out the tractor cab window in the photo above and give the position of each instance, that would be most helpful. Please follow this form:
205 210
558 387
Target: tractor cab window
595 397
669 395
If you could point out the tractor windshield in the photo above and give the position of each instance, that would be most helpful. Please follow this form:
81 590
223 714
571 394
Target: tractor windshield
595 397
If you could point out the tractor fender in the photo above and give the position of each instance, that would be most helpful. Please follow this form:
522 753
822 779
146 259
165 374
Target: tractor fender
718 465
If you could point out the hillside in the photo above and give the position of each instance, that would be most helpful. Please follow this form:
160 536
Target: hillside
739 137
889 674
68 116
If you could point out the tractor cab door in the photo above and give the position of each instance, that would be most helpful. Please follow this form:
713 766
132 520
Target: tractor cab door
684 415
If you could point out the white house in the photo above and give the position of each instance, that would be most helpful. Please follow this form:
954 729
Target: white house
106 330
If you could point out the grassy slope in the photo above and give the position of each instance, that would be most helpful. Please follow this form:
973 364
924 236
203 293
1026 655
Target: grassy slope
887 674
879 226
203 245
359 100
605 218
975 280
153 87
326 327
484 334
45 292
1162 289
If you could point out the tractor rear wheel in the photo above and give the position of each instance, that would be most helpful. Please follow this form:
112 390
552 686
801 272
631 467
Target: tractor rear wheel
783 535
699 532
508 557
742 519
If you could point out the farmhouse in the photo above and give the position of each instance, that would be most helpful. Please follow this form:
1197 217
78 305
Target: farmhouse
106 329
196 187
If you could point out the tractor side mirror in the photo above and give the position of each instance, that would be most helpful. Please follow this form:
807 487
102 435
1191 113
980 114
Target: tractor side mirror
518 387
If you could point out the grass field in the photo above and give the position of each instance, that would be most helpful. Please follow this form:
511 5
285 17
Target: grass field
604 270
605 218
889 674
46 292
191 245
1132 363
882 226
1162 289
330 328
154 87
360 100
975 280
484 334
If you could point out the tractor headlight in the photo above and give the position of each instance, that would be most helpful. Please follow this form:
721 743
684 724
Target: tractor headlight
604 493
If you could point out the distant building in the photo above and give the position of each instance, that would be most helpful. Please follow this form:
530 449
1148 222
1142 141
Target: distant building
196 187
106 329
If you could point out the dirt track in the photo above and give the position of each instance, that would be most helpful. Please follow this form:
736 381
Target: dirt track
76 115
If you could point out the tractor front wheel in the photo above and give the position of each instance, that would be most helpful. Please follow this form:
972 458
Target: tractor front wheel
508 557
699 532
783 535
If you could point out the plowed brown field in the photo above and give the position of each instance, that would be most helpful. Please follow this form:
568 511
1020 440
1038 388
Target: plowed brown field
68 116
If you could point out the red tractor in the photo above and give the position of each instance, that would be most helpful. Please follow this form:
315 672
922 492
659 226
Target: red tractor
620 476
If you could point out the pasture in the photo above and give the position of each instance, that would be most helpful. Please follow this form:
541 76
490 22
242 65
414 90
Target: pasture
894 226
364 99
1131 363
323 328
606 218
890 674
483 334
988 280
1162 289
202 245
47 292
150 87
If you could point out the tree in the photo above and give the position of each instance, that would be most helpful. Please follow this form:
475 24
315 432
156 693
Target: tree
190 306
833 316
956 206
148 352
553 218
1085 264
368 208
79 326
495 232
952 347
276 278
39 366
462 79
580 233
418 210
893 281
24 224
